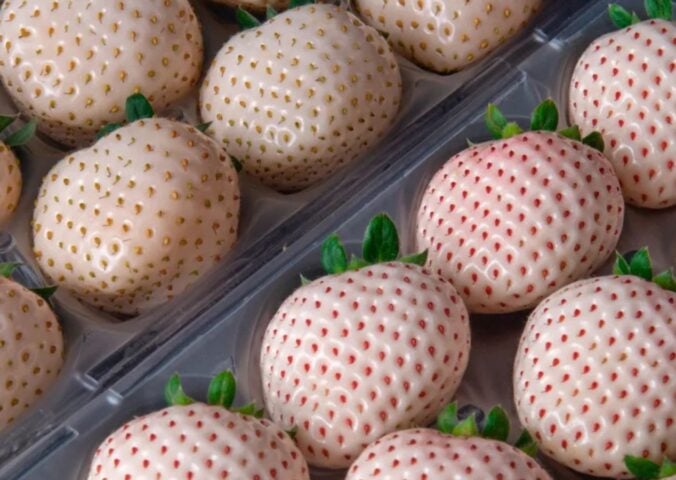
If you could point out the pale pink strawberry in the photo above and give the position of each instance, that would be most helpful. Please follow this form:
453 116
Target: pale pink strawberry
137 218
595 373
31 348
447 35
199 442
10 182
72 64
624 85
512 220
301 95
426 454
350 357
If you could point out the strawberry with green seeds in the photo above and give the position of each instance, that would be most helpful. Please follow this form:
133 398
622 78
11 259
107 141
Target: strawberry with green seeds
378 345
191 440
10 170
71 65
623 86
456 450
447 35
134 220
510 221
595 371
31 346
302 94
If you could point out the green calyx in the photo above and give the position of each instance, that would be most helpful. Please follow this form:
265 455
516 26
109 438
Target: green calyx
380 244
495 427
545 117
656 9
221 392
136 107
247 20
640 265
8 268
644 469
22 135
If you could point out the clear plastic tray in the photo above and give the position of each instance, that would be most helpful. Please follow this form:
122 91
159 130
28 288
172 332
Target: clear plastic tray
116 371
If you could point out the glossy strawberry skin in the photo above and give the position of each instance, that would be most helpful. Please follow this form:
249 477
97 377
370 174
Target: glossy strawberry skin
624 85
510 221
198 441
425 454
595 374
351 357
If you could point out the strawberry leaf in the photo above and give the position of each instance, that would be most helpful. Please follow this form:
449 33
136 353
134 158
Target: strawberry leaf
621 266
304 280
300 3
292 432
659 9
245 19
270 12
526 444
466 428
106 129
203 127
222 389
45 292
356 263
511 129
334 257
173 392
640 264
594 140
7 269
138 107
23 135
572 132
415 258
381 241
251 410
497 425
621 17
495 121
236 163
667 469
448 418
666 280
5 121
642 468
545 116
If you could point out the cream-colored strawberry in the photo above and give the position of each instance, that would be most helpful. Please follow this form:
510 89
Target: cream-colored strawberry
624 85
190 440
10 170
447 35
355 355
302 94
595 371
72 64
31 348
512 220
134 220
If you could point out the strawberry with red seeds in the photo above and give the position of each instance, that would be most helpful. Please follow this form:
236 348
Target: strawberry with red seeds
511 220
458 450
190 440
595 372
372 348
624 85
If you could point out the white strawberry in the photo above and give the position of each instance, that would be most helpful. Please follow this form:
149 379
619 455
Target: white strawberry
72 64
595 372
302 94
200 442
135 219
368 350
457 451
624 85
10 170
512 220
31 347
446 36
